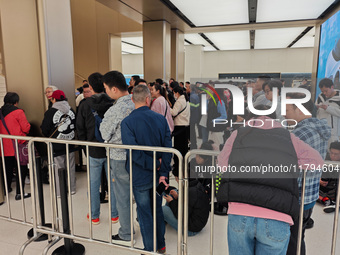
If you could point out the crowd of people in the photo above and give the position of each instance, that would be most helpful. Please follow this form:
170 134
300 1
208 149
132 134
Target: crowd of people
162 114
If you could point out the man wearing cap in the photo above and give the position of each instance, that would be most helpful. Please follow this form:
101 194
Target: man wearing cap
59 123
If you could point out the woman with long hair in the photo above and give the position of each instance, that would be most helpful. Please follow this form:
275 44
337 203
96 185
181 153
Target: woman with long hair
161 104
181 114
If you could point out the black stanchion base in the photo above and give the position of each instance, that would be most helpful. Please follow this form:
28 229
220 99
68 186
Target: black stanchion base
43 237
77 249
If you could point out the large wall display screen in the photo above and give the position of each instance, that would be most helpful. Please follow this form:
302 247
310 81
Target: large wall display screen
329 51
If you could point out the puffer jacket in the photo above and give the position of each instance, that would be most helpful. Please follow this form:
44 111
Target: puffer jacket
16 123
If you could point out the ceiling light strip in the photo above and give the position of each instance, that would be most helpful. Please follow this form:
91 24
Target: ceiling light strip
208 40
187 41
252 10
334 5
175 10
133 44
300 36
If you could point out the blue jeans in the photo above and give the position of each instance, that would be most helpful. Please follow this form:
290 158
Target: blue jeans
170 218
121 187
96 166
249 235
144 197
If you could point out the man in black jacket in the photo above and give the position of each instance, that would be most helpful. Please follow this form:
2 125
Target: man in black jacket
90 111
198 208
59 123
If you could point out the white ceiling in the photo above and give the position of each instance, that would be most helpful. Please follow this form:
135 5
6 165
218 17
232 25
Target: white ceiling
307 40
283 10
225 12
214 12
276 38
128 48
234 40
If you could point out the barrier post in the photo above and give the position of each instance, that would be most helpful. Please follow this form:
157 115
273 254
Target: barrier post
69 246
40 191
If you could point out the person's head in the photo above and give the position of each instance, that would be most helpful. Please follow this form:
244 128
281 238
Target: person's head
178 91
115 84
293 112
260 108
157 90
49 90
87 92
58 96
133 80
141 96
334 151
268 88
259 82
85 82
327 87
188 87
181 84
173 85
141 82
96 83
159 81
171 80
201 159
11 98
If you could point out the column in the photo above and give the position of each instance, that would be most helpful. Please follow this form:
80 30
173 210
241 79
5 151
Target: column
156 48
22 66
59 46
177 55
193 62
115 53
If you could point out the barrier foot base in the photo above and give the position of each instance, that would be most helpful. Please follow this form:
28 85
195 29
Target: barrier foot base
77 249
43 237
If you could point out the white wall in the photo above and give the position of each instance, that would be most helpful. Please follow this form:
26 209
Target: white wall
257 61
132 64
246 61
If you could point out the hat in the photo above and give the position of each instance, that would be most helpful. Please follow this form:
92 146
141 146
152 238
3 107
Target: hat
58 95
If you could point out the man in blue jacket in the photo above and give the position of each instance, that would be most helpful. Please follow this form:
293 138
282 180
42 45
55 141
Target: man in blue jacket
148 128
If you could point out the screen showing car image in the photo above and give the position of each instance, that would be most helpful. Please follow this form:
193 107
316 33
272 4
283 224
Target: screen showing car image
329 51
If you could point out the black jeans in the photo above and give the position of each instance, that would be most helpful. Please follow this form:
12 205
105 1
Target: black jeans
11 166
294 232
181 141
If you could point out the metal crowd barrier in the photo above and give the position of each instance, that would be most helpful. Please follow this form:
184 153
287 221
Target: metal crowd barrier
10 218
39 229
214 154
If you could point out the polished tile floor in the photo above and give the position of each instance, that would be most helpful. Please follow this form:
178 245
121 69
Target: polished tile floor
13 235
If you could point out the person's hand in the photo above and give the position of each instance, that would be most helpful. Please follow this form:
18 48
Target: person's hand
174 194
163 179
160 163
322 106
323 183
168 198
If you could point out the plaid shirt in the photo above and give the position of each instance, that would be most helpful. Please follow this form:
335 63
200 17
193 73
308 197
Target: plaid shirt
316 133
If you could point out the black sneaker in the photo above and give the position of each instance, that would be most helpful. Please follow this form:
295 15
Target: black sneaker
26 195
117 240
310 223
